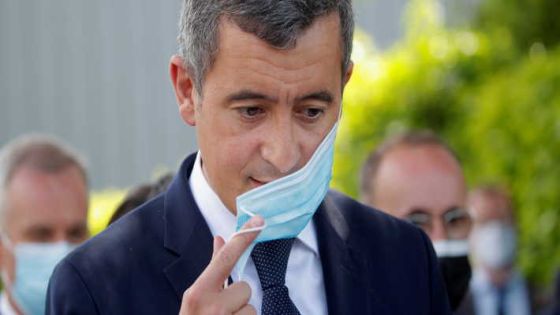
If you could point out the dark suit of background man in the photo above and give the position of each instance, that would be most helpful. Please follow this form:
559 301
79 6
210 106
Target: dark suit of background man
261 81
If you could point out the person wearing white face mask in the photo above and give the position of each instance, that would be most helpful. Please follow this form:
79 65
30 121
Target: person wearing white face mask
497 287
43 216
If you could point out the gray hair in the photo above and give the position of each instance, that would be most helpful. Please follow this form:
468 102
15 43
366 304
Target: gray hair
39 152
277 22
411 139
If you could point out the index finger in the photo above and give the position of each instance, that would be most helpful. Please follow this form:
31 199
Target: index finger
223 262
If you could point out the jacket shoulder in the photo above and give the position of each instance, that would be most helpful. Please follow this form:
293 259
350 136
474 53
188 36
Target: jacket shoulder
399 257
137 229
110 263
366 220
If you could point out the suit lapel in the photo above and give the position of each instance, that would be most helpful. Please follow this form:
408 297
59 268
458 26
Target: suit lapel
345 270
186 233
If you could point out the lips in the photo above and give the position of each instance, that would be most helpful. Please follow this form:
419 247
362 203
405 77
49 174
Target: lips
257 182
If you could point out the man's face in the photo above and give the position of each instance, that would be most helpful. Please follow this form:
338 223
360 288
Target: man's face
425 185
490 208
493 240
44 208
264 111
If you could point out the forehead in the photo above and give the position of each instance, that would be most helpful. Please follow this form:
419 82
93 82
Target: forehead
249 58
425 177
489 207
41 198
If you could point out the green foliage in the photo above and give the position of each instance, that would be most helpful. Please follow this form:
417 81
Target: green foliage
499 109
514 137
527 21
417 84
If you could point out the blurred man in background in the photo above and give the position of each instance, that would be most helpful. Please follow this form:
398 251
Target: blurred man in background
138 195
553 308
415 176
43 212
497 287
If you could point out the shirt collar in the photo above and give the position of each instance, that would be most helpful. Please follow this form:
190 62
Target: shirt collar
481 280
220 220
6 307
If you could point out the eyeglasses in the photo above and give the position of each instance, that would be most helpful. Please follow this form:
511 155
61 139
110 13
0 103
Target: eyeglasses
456 222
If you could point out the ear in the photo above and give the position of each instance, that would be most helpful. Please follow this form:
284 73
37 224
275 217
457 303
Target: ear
183 84
348 73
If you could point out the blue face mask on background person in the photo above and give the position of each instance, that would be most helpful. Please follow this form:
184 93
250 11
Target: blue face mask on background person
288 203
34 264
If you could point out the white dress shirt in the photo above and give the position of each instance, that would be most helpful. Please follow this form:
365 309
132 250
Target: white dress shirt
304 275
485 295
5 307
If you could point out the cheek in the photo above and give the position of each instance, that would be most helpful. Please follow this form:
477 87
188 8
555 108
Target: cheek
239 152
309 141
229 157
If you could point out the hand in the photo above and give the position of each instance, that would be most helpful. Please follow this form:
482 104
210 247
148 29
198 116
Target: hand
207 294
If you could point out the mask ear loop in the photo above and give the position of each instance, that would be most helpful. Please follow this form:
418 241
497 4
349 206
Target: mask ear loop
245 231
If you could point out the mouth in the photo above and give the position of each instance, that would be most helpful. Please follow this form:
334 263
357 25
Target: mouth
256 182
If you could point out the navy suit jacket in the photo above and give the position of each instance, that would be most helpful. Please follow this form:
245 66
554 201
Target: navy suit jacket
372 263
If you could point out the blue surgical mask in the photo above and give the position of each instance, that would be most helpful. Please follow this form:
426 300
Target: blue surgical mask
288 203
35 263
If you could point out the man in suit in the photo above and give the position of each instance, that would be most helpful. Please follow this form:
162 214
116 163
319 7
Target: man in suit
43 215
262 83
497 286
416 176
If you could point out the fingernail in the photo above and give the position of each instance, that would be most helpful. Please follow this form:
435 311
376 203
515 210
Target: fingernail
256 221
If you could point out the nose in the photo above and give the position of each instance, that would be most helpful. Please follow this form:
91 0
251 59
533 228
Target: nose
438 231
60 236
281 148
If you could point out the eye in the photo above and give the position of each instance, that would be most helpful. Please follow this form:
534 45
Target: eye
456 216
420 219
77 234
311 113
39 234
250 112
458 222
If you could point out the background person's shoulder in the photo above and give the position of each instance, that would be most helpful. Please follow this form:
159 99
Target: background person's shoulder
137 235
113 272
361 216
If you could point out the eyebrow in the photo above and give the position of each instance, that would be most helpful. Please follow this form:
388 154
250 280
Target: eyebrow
38 229
454 208
323 96
243 95
418 211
